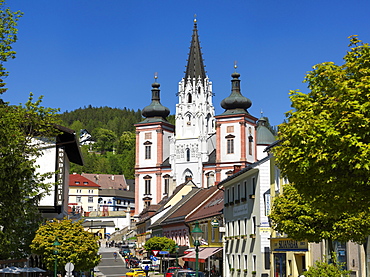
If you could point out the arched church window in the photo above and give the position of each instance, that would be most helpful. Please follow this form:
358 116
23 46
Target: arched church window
189 98
199 90
187 154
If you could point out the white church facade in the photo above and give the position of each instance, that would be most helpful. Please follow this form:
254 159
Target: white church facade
202 147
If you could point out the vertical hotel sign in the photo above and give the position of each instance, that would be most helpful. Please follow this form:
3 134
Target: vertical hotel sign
60 177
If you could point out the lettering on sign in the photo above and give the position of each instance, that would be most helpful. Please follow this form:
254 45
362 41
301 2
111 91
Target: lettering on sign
240 210
285 244
59 177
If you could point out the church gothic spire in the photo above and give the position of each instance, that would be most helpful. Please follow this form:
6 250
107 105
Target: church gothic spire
195 66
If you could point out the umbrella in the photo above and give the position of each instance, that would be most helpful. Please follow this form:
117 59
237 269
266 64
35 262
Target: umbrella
39 269
12 270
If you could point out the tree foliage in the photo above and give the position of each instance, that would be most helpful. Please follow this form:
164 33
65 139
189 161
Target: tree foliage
20 184
325 150
76 245
113 132
160 243
292 214
8 36
325 269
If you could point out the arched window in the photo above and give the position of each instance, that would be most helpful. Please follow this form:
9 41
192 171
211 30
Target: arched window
189 98
187 154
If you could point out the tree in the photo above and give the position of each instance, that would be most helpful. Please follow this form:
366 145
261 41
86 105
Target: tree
326 269
20 184
8 36
105 139
76 245
160 243
325 149
295 216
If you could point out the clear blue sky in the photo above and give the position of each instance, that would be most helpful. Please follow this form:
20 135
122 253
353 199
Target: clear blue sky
105 52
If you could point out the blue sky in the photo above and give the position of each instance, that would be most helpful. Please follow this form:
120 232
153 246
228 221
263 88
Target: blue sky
105 52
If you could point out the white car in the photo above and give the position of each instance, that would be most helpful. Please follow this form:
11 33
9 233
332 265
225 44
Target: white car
145 263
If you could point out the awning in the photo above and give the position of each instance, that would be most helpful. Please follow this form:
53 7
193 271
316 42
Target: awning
204 253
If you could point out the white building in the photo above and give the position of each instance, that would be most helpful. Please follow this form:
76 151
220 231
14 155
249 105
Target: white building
56 157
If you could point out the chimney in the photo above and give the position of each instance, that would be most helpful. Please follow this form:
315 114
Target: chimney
112 177
237 168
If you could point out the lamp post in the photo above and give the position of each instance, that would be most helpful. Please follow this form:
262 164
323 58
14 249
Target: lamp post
56 252
177 253
197 236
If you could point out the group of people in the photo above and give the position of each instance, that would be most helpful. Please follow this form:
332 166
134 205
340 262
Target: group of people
110 244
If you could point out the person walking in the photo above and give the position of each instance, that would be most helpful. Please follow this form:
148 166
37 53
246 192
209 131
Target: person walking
146 269
115 256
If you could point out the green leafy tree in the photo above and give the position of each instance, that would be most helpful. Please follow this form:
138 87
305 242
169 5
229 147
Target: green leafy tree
325 149
105 139
8 36
76 245
126 142
160 243
325 269
292 214
20 184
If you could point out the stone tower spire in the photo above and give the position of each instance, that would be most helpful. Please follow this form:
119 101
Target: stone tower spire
195 66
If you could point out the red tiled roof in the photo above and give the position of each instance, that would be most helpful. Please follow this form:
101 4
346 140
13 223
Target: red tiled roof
196 200
76 180
108 181
210 208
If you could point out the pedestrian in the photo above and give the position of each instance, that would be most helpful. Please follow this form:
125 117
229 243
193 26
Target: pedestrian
146 269
115 256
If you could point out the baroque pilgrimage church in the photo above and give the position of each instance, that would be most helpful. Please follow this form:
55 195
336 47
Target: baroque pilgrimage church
202 147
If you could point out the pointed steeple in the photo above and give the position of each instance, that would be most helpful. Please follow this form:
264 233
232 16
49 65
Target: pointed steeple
195 67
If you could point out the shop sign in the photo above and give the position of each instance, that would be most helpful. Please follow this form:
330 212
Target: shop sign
215 223
286 244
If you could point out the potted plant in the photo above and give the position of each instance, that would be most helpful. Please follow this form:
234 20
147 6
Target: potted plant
232 269
238 270
252 236
254 272
245 271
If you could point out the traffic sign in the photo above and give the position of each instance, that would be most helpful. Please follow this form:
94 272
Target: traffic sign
69 267
163 252
155 252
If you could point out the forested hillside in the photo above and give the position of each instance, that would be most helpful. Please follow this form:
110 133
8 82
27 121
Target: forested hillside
114 132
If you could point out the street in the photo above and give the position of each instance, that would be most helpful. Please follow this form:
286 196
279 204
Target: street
108 266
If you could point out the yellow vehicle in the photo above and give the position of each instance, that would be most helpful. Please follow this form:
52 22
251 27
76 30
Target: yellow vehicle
134 272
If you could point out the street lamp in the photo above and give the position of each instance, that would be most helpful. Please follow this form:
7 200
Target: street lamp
56 252
197 236
177 253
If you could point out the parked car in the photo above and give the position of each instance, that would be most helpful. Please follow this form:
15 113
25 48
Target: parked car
135 272
171 270
187 273
145 263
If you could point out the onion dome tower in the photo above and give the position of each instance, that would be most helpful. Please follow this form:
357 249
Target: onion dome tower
235 103
155 111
